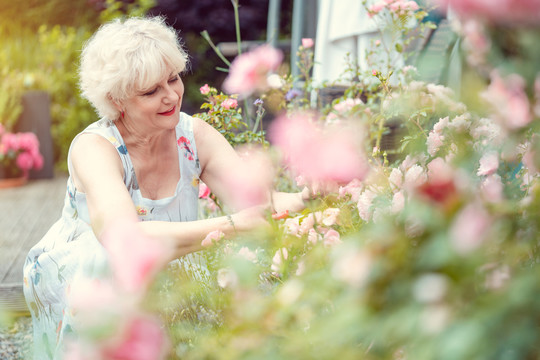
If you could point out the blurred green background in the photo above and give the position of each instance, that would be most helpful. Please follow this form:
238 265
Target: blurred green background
40 42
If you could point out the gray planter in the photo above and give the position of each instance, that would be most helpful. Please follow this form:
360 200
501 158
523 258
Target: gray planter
36 118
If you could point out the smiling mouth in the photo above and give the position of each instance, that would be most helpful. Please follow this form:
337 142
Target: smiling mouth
169 112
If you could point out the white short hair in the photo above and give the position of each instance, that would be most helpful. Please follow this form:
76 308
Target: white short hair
126 56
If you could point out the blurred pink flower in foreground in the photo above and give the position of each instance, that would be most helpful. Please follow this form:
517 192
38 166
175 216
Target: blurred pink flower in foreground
319 154
279 259
509 100
470 228
352 266
212 237
500 11
249 71
141 338
489 163
134 257
353 189
251 182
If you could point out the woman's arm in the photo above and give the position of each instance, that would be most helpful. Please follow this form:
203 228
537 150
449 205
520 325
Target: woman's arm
98 172
219 160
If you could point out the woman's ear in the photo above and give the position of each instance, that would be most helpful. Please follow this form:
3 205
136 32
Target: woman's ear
117 104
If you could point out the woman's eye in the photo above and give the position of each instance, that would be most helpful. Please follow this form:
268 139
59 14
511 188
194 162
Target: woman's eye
151 92
171 80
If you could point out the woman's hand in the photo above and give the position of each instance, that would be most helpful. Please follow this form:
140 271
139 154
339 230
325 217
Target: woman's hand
251 218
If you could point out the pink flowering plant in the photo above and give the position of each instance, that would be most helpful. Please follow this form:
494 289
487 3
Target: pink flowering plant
224 112
419 240
19 153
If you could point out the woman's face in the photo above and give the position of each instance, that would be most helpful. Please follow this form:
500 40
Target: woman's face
156 107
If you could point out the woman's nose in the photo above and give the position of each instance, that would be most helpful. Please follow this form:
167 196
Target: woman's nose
171 95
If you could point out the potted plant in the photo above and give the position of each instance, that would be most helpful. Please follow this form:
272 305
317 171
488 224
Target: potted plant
19 153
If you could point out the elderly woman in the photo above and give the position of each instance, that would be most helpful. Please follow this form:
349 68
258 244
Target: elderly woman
142 158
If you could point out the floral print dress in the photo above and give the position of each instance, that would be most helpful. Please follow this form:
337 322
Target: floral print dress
70 249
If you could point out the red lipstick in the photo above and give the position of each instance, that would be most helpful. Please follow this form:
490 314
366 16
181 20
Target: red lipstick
168 113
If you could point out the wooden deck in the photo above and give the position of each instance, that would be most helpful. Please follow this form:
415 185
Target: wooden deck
27 212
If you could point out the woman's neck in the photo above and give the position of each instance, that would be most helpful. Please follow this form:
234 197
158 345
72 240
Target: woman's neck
143 139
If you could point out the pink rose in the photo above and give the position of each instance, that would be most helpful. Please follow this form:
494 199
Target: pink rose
141 338
398 202
376 8
212 237
365 203
313 236
489 163
279 258
229 104
307 223
205 89
204 191
469 229
509 101
353 188
505 11
307 43
331 238
492 189
251 182
134 257
317 153
330 216
249 71
247 254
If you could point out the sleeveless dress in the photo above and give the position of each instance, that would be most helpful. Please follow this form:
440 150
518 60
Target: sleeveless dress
70 249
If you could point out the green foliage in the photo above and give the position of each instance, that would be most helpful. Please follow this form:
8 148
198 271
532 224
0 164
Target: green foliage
225 115
46 57
10 99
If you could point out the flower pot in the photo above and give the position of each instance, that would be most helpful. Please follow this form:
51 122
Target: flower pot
12 182
11 178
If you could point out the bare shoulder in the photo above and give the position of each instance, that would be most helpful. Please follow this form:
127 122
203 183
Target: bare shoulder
92 155
201 130
88 146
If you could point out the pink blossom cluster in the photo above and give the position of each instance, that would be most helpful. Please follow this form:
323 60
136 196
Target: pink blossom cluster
307 43
501 11
509 101
205 89
458 125
318 153
21 147
476 42
398 7
106 312
344 109
251 183
316 226
229 103
249 72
